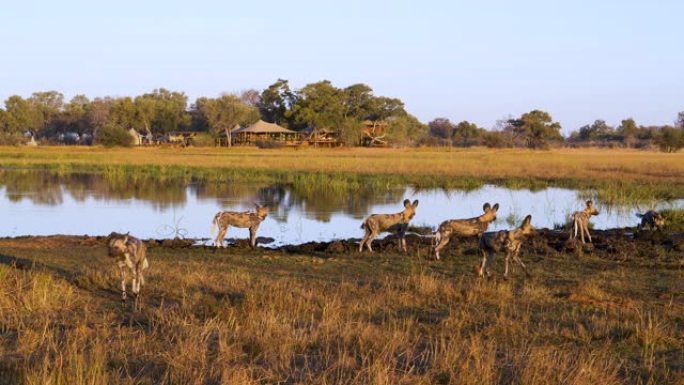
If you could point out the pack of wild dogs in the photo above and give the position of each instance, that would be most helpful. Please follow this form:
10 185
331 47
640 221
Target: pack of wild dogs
130 252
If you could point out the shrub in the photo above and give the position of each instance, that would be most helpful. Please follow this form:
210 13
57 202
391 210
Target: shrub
203 139
12 139
113 136
671 139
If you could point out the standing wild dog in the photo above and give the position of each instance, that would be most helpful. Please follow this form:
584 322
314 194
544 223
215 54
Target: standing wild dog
377 223
508 240
652 219
130 253
247 219
464 227
580 221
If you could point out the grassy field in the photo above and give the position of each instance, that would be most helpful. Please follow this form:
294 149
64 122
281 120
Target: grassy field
616 175
614 315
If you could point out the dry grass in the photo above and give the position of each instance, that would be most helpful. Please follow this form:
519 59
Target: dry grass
264 317
586 164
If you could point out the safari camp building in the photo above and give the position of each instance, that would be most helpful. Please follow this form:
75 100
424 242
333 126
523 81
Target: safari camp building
264 132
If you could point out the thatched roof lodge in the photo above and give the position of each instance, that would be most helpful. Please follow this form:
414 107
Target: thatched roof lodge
264 132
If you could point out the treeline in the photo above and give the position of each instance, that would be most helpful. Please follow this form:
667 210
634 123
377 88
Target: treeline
315 106
106 120
536 129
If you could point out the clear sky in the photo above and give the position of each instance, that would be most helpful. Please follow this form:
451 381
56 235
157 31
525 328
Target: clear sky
474 60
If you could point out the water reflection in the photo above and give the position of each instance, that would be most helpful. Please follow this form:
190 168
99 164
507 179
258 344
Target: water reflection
38 202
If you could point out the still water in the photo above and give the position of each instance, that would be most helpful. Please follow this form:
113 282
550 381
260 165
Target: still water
43 203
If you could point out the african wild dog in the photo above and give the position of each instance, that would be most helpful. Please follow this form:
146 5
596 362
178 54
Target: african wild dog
377 223
508 240
464 227
652 219
130 253
580 221
247 219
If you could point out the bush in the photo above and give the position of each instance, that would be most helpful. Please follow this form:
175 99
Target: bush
494 139
113 136
12 139
671 139
203 139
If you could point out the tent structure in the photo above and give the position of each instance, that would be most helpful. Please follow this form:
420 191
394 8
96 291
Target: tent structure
264 132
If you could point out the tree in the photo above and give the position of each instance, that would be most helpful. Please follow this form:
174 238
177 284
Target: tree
442 128
627 131
227 112
670 139
145 112
536 128
319 105
382 108
74 114
250 97
276 102
679 123
406 129
123 113
97 115
357 101
21 115
598 130
465 132
48 105
627 128
162 111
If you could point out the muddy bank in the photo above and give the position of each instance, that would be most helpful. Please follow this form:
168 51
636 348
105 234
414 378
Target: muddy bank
614 244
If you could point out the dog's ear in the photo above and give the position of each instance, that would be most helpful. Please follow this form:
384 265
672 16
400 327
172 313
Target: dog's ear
486 207
256 205
415 203
407 202
590 204
496 207
527 220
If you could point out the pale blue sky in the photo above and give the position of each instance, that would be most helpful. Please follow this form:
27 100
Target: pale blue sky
475 60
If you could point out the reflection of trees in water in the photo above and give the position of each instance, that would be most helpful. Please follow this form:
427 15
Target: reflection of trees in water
276 197
44 187
316 200
39 187
162 193
320 202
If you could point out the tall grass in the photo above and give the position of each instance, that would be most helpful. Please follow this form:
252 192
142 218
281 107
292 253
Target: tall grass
264 317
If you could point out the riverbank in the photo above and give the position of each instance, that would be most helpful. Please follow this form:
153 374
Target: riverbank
613 175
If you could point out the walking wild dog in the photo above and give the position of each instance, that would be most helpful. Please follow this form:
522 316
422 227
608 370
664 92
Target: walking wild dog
247 219
580 221
508 240
652 219
130 253
464 227
377 223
